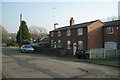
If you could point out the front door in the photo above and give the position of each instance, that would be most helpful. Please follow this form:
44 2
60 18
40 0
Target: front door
74 48
55 45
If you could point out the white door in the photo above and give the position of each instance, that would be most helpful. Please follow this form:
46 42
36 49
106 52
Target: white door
74 48
110 45
55 45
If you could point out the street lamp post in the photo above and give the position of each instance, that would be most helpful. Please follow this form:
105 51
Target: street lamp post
20 30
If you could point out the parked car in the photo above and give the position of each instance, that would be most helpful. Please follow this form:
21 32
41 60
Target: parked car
26 48
82 54
34 44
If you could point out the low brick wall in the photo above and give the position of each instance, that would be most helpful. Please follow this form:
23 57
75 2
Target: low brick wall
52 51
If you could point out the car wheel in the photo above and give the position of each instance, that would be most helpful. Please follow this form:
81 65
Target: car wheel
22 52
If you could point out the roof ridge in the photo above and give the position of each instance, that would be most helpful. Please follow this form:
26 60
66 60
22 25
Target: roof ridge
87 23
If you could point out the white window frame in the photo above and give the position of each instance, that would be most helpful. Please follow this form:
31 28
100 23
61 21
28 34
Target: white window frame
52 34
68 32
80 31
80 45
68 44
59 43
59 33
109 30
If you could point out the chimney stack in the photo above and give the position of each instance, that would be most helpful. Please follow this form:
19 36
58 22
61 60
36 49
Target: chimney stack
71 21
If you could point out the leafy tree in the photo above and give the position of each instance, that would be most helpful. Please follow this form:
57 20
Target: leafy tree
25 33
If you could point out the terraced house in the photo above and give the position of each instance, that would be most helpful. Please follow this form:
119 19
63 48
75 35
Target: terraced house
83 36
112 34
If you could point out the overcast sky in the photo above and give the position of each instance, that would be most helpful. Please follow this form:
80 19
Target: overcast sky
42 13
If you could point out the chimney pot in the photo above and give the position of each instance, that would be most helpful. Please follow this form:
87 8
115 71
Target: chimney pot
71 21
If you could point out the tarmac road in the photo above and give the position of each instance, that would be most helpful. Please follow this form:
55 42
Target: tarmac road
32 65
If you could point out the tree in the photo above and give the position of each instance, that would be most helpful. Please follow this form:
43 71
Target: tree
112 18
5 35
25 35
38 32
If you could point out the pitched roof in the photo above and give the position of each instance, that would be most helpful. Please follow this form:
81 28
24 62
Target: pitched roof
112 23
75 26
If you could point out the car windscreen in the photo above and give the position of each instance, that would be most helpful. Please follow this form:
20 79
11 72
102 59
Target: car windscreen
27 46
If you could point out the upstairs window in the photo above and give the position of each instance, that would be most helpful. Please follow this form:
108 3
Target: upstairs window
109 30
68 32
80 31
51 34
59 33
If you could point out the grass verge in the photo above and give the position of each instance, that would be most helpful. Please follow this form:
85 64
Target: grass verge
110 58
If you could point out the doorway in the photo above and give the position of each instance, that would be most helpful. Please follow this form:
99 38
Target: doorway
74 48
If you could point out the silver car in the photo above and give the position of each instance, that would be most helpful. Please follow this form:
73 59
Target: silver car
26 48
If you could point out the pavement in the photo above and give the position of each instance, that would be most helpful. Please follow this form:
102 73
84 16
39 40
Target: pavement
106 63
112 63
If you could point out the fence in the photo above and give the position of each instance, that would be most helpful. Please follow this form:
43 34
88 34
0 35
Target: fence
103 53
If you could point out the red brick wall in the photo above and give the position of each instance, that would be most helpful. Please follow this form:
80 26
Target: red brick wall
63 39
112 37
74 38
95 35
119 38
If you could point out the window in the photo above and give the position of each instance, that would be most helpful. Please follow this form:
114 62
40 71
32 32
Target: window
109 30
68 45
51 34
80 31
52 43
80 45
68 32
59 44
59 33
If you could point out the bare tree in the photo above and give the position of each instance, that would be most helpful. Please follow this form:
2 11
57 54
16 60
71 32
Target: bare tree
38 32
112 18
0 34
4 33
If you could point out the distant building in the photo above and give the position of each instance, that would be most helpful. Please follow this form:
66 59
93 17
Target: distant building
45 40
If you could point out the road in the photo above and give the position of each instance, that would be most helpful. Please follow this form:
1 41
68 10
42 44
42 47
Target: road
32 65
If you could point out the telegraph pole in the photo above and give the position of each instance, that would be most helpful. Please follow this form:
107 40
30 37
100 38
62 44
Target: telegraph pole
20 30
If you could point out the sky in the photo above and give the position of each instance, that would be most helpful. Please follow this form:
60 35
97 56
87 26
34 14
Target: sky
43 14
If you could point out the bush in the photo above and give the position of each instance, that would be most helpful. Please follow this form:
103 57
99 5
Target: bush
12 44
